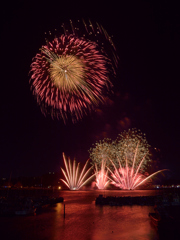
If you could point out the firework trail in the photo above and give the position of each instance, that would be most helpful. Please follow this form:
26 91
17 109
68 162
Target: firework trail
71 74
73 179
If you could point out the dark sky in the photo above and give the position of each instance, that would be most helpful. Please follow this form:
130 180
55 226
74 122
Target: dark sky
146 90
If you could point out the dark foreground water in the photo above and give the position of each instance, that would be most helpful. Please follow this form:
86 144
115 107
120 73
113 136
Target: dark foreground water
84 220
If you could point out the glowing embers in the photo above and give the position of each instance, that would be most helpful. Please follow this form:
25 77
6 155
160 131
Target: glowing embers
73 179
102 179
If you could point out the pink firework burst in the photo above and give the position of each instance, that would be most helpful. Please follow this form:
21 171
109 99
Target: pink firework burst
70 75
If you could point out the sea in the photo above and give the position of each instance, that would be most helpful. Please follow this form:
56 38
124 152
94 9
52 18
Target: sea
78 217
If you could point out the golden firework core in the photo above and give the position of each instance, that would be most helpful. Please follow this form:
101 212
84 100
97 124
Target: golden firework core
67 71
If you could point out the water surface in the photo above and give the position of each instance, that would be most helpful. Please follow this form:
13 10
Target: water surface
84 220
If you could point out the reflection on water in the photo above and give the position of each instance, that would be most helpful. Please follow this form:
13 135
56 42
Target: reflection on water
83 220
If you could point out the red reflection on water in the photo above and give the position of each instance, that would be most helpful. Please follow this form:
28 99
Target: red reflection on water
83 220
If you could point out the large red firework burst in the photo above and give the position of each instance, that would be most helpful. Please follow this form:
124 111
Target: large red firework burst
71 73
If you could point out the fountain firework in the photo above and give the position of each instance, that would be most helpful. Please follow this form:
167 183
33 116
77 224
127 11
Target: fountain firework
102 179
127 159
74 180
130 177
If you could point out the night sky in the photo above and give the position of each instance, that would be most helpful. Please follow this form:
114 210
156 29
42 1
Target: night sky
146 90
